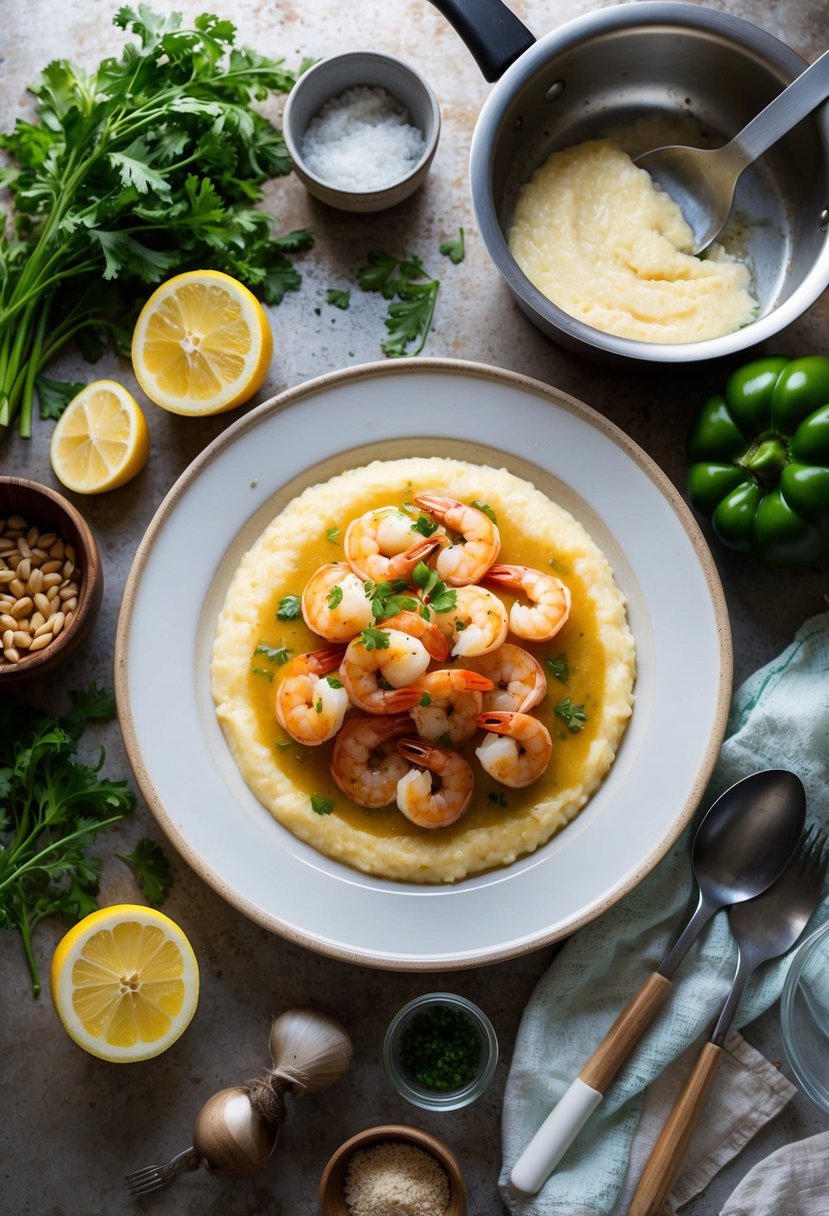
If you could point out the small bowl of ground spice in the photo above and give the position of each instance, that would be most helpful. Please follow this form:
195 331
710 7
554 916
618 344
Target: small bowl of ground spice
362 130
440 1051
393 1170
51 581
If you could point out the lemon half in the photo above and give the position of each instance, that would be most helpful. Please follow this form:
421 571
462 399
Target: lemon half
100 440
202 344
125 983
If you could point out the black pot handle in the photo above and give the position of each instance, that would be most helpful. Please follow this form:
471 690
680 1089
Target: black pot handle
491 31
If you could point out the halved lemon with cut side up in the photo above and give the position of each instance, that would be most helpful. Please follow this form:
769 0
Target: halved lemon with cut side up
101 439
125 983
202 344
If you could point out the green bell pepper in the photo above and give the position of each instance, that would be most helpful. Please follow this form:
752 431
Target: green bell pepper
760 460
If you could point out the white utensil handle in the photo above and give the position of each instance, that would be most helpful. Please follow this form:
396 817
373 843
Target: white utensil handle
554 1137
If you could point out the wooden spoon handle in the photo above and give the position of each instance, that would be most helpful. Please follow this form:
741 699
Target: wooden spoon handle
625 1033
672 1145
568 1117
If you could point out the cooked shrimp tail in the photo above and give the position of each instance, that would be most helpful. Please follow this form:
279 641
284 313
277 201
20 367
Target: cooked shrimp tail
310 705
467 561
549 601
517 749
424 801
424 630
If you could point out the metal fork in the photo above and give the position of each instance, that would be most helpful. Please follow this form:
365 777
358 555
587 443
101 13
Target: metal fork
764 928
154 1177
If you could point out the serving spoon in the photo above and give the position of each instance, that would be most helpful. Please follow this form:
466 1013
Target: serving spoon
741 846
703 180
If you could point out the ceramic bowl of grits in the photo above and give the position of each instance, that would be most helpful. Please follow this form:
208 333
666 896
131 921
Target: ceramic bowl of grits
645 75
362 130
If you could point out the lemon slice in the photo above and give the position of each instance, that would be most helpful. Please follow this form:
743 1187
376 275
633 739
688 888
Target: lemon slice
125 982
202 344
100 440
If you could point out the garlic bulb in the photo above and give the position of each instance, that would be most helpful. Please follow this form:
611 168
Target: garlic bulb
231 1136
310 1049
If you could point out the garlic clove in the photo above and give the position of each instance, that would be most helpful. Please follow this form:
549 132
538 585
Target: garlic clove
231 1137
310 1049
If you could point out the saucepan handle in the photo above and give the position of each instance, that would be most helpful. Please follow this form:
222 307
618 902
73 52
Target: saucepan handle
491 31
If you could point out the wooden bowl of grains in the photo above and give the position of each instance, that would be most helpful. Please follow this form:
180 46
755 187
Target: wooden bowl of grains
393 1167
51 580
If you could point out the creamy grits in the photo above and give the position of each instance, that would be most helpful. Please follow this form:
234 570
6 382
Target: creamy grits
598 238
591 667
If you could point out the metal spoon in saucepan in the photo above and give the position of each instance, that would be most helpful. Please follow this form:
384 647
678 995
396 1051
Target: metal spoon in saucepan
703 180
740 847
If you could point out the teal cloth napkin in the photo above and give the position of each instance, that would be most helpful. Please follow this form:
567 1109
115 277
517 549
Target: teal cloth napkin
779 719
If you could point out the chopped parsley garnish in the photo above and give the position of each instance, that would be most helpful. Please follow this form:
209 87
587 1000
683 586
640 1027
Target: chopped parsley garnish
375 639
454 248
333 534
573 715
559 667
425 700
334 681
338 297
274 654
496 799
289 608
434 589
425 526
387 600
487 510
445 740
335 596
459 624
262 671
321 805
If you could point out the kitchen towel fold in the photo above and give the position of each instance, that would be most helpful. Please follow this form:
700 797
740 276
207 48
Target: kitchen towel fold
779 719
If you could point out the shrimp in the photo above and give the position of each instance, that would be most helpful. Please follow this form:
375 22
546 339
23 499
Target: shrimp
379 545
396 657
517 751
549 606
469 559
518 678
451 706
424 805
309 706
335 604
425 631
477 624
365 763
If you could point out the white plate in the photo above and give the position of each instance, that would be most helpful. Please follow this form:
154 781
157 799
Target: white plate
386 410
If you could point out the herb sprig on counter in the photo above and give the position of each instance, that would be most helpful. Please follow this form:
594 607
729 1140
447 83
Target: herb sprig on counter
52 807
148 166
413 294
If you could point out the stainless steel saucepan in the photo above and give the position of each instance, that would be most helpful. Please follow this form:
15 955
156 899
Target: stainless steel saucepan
612 73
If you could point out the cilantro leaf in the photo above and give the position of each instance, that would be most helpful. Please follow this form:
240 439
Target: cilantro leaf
487 510
321 805
53 396
436 594
274 654
151 868
387 600
340 299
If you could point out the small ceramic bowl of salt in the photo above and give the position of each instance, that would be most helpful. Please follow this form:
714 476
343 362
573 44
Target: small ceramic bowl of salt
361 129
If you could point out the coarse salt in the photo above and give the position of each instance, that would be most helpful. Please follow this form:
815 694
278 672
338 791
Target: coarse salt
362 140
394 1179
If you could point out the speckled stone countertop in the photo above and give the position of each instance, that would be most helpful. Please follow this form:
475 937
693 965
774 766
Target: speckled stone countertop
73 1126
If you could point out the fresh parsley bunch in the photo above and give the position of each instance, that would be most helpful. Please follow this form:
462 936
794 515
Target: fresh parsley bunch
149 166
52 807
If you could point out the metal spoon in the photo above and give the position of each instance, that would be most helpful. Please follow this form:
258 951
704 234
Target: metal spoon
702 180
764 928
740 847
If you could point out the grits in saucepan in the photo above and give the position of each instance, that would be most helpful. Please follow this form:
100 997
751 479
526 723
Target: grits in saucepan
588 669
